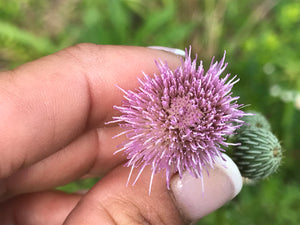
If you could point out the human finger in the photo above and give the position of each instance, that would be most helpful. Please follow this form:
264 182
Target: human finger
47 103
47 208
91 155
110 202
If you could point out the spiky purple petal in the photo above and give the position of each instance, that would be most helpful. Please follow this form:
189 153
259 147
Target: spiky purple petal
179 120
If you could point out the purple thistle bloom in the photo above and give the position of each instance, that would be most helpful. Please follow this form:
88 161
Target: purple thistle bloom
179 120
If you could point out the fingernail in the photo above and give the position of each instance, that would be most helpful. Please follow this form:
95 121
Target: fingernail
167 49
222 184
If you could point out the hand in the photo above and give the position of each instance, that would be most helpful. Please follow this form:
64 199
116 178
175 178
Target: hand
52 132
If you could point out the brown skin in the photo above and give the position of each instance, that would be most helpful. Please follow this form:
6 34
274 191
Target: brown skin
52 132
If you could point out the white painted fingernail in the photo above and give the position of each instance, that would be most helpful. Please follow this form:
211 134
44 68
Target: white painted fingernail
222 184
167 49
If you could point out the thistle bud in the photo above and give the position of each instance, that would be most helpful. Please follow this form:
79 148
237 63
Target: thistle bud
259 153
256 119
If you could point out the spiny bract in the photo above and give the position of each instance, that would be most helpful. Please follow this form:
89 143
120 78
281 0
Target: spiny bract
179 119
259 154
256 119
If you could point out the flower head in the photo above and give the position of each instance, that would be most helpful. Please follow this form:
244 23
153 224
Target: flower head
259 154
179 120
256 120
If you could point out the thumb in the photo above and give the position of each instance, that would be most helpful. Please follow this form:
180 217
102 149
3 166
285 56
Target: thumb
195 198
110 202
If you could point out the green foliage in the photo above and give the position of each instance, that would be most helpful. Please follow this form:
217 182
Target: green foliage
262 39
79 185
271 202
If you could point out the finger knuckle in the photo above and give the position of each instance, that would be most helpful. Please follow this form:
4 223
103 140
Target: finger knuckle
126 212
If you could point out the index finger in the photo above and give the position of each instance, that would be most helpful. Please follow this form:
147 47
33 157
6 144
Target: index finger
47 103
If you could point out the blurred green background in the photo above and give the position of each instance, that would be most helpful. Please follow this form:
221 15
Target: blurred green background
262 39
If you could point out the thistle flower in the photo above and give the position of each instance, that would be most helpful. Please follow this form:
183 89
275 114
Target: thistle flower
179 119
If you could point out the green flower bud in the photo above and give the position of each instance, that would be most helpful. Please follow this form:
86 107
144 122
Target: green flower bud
257 120
259 153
